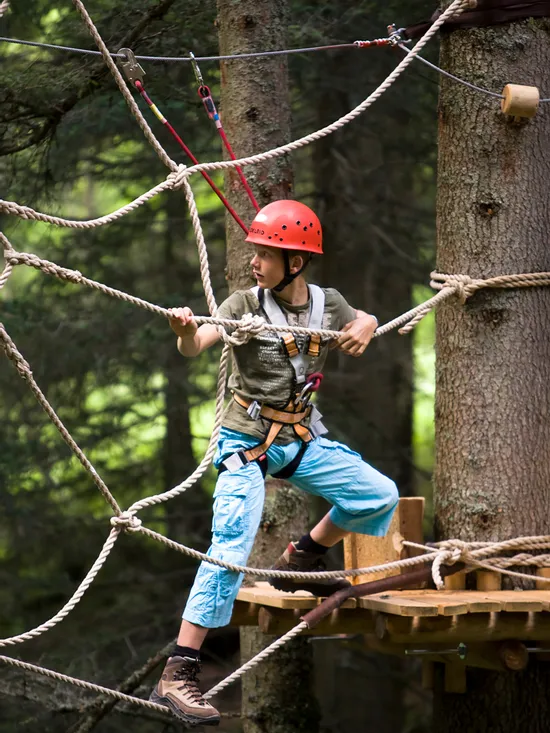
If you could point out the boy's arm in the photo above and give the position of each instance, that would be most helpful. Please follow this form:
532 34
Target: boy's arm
357 334
192 340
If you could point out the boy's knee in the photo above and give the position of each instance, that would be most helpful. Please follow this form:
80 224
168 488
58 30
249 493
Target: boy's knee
389 492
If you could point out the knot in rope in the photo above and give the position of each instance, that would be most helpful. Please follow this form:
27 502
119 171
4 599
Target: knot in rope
463 285
177 177
251 325
126 521
449 553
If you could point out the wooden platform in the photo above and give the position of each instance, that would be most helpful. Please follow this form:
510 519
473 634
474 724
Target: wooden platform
502 630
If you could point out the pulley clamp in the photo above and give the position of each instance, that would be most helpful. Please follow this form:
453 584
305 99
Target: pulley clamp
130 66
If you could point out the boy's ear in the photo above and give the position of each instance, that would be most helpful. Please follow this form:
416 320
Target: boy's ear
296 263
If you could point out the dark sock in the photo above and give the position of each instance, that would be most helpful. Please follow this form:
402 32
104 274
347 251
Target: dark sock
306 544
186 651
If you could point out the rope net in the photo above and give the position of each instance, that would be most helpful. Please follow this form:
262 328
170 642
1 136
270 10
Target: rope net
235 332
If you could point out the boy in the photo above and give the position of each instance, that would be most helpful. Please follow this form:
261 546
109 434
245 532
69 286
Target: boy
269 426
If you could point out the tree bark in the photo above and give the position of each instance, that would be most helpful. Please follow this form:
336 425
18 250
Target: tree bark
255 109
277 694
493 354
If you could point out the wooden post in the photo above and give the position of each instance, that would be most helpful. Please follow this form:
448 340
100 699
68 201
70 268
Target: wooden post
456 581
487 580
542 573
365 551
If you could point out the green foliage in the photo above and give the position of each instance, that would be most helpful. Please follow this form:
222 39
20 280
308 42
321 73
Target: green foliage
141 413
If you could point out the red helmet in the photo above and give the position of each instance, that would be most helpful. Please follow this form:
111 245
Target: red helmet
287 225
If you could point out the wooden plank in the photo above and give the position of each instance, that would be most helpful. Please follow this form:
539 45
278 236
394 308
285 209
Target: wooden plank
265 595
398 605
517 600
475 602
447 603
362 551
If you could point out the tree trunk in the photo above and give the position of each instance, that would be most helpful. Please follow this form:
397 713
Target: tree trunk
277 694
493 354
255 109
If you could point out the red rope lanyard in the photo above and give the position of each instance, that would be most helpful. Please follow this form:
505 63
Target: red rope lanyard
210 107
212 112
139 86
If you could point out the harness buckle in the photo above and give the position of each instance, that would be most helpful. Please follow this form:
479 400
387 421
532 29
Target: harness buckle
235 461
130 66
254 409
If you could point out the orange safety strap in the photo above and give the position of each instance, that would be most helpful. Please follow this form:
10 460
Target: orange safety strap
254 453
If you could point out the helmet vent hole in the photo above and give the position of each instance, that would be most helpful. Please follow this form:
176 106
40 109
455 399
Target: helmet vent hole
298 223
305 229
303 242
280 239
318 232
284 226
310 224
269 237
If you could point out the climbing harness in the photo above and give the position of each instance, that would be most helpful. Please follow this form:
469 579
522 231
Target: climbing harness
210 107
298 408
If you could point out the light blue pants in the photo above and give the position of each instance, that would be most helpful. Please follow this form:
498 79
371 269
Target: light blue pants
363 500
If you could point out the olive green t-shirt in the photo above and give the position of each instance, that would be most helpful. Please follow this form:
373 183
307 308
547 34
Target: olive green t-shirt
262 370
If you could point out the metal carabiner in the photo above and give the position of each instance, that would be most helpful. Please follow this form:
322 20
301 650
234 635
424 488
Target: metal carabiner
395 35
130 66
196 70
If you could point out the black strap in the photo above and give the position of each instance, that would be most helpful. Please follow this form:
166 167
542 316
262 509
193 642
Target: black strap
292 467
487 13
261 461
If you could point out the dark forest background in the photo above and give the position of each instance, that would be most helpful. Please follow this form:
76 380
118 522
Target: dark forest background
141 412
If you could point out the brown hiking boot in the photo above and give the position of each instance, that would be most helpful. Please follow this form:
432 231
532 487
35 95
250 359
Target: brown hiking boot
178 690
305 562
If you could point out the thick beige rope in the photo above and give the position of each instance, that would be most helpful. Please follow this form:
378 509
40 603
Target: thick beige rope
455 8
173 181
140 119
73 601
277 644
464 287
83 684
178 172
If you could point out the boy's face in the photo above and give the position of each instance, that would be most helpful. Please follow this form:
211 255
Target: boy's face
268 266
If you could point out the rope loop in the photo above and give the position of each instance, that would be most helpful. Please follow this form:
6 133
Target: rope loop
251 326
178 177
126 521
454 553
463 285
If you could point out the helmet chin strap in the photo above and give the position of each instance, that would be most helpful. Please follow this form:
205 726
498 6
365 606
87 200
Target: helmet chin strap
289 277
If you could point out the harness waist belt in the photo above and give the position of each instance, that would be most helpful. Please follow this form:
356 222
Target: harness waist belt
270 413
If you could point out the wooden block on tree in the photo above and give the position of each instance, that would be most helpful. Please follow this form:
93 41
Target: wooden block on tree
361 551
